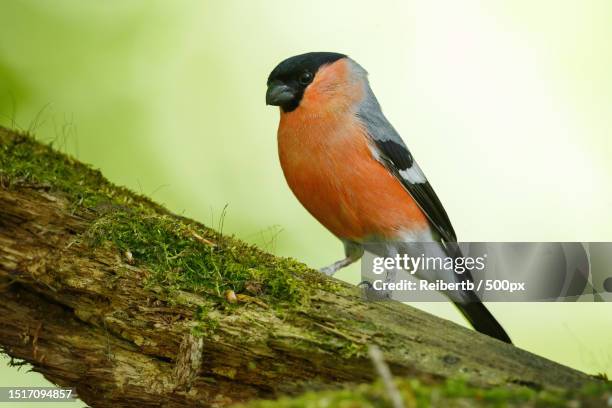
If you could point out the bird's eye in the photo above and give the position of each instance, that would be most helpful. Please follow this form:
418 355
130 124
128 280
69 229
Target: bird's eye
305 78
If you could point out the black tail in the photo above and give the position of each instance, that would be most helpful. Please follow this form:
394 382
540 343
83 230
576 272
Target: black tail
474 311
482 320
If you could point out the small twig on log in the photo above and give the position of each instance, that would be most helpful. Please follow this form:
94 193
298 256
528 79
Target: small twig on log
385 374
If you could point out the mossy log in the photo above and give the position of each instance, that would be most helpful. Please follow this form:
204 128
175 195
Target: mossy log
107 292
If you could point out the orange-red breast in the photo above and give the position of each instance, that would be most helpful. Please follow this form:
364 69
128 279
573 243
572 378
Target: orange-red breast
351 170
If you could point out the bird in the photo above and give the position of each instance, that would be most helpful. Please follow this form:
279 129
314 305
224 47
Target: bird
351 170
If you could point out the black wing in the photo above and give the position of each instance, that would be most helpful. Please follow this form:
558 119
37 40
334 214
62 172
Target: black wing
397 158
391 151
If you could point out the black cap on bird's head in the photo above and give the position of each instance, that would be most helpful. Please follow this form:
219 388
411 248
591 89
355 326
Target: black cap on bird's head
287 82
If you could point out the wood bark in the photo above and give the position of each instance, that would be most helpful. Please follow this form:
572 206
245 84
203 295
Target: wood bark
84 317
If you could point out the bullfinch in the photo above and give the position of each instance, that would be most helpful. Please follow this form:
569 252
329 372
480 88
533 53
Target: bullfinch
351 170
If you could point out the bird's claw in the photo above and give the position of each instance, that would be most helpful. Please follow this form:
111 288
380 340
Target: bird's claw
328 270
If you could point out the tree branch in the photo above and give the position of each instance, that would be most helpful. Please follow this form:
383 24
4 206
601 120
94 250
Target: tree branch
105 291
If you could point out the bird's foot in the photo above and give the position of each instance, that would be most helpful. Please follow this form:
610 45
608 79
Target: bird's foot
370 293
333 268
329 270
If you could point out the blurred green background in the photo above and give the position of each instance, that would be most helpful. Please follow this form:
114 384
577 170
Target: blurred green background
507 105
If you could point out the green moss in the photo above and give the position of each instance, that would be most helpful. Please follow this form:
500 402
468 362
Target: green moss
180 254
207 321
352 350
452 393
192 258
23 160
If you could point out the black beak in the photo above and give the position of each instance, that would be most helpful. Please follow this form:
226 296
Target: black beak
279 94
